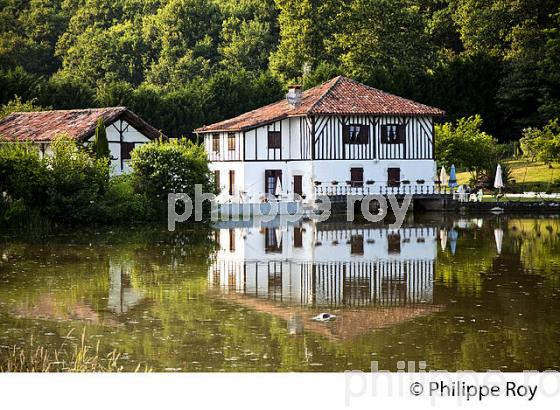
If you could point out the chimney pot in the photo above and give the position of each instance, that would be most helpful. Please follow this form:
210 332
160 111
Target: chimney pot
294 95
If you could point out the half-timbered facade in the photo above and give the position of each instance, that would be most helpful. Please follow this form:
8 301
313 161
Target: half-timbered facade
338 137
125 130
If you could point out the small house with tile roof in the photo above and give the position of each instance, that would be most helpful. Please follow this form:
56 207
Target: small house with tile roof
338 138
125 130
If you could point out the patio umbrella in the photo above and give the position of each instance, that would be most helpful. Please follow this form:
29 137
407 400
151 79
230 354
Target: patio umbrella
452 177
278 190
499 236
443 178
453 236
443 239
498 181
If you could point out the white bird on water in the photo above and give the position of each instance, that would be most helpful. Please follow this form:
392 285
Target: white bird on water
324 317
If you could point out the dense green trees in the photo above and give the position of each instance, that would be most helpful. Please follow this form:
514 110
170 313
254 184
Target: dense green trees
465 145
184 63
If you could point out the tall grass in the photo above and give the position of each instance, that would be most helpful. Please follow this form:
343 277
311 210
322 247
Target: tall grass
79 358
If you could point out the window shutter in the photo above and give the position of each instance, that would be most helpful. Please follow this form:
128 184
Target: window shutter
384 133
345 134
217 179
274 139
126 150
364 134
401 133
231 181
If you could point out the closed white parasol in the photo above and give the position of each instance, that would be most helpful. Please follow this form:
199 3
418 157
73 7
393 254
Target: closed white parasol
443 178
498 181
278 190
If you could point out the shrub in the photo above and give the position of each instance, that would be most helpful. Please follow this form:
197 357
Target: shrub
161 168
76 181
121 204
22 174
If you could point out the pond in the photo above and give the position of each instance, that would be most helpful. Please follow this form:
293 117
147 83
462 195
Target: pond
469 293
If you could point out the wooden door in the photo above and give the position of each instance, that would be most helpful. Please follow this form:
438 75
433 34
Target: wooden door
298 185
356 177
393 177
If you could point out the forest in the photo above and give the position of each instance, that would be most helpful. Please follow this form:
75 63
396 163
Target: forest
184 63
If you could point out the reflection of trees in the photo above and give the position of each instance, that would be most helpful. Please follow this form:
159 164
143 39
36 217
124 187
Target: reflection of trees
538 244
103 280
514 310
462 270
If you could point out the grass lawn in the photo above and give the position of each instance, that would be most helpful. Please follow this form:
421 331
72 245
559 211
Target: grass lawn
528 176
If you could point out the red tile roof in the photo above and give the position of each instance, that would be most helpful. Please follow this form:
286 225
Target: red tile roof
43 126
339 96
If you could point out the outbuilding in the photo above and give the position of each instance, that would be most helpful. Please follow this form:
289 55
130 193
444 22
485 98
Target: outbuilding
125 130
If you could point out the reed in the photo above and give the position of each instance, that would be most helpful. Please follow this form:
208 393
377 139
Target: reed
79 358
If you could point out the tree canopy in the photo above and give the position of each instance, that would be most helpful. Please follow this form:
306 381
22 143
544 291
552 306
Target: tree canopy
185 63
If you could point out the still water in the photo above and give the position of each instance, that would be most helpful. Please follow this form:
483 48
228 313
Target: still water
457 293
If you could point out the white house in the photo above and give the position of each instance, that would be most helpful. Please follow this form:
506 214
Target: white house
125 130
338 138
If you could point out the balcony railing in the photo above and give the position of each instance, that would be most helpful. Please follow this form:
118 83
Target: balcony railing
402 189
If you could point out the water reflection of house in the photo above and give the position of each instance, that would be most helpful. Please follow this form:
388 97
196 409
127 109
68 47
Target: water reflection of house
326 265
122 299
122 296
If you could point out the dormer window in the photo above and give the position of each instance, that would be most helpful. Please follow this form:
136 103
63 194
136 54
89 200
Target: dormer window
392 133
355 134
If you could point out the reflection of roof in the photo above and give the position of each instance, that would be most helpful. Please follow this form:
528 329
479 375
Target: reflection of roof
43 126
349 323
48 308
340 95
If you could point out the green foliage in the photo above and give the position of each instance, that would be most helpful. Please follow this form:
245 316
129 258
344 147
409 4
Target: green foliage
161 168
18 82
542 144
22 175
374 52
121 204
71 186
17 105
100 146
167 58
466 146
76 181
